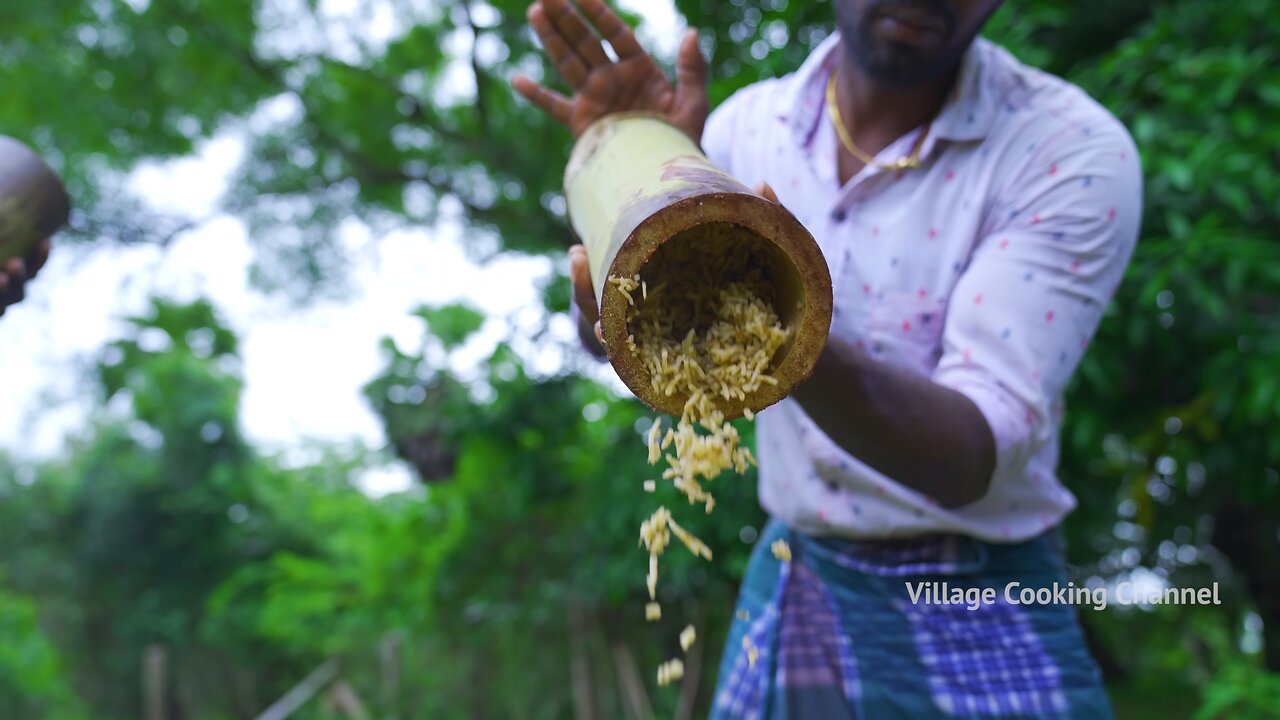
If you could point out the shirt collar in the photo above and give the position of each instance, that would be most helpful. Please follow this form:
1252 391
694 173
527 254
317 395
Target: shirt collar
967 114
971 109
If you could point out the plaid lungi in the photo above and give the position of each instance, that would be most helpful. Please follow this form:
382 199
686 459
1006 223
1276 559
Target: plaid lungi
837 635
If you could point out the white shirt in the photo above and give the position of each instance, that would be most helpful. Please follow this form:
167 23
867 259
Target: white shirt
986 269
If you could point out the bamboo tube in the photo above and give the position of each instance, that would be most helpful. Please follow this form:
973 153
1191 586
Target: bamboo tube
633 183
33 202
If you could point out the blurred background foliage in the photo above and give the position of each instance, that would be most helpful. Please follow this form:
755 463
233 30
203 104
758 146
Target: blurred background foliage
509 584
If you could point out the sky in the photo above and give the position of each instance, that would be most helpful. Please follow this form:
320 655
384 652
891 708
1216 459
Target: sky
303 368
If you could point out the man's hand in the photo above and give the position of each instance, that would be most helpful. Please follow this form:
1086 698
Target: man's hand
15 272
602 86
584 299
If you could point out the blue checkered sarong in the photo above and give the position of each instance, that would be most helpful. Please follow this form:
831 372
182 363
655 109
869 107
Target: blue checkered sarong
838 636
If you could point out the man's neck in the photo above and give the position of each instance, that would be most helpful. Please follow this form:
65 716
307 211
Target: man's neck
876 114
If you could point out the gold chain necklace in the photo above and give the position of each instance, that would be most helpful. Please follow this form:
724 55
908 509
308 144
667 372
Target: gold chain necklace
904 163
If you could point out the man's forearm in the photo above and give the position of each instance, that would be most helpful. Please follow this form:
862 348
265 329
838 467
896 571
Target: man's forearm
928 437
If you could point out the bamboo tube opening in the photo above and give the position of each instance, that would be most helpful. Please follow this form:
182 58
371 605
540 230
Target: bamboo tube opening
731 246
650 207
716 255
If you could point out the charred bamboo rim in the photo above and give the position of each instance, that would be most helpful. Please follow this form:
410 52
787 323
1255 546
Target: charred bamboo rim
805 279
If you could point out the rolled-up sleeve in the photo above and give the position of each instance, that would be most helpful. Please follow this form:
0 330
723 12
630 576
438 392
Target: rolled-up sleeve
1025 308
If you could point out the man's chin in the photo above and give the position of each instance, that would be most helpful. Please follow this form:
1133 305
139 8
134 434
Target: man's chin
903 71
894 63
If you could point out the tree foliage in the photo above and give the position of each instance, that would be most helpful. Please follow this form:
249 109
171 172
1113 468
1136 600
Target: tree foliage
513 572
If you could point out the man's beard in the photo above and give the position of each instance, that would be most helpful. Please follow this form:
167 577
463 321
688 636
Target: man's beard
897 64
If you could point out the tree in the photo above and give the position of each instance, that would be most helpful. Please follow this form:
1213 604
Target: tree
531 501
548 475
124 542
32 680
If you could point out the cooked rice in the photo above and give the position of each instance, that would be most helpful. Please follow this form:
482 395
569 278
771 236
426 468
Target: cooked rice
670 671
688 637
707 332
781 550
655 448
652 579
625 286
655 534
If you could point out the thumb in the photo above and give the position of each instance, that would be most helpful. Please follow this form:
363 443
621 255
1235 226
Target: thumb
691 67
580 276
765 191
38 256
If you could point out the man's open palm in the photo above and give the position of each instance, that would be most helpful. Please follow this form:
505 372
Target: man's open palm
602 86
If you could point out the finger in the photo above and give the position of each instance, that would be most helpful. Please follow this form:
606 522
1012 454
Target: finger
580 276
619 35
16 268
580 38
691 66
12 283
549 101
566 61
765 191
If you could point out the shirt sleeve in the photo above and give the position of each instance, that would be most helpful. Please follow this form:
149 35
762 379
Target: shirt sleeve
1055 247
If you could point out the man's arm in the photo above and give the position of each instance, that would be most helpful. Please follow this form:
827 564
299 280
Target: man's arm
928 437
1019 321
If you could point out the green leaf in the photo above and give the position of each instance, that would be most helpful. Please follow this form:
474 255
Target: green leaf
452 324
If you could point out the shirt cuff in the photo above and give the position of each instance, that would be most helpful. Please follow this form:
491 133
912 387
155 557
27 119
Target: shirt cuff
1010 421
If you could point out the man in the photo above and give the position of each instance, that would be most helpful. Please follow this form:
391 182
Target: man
976 215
